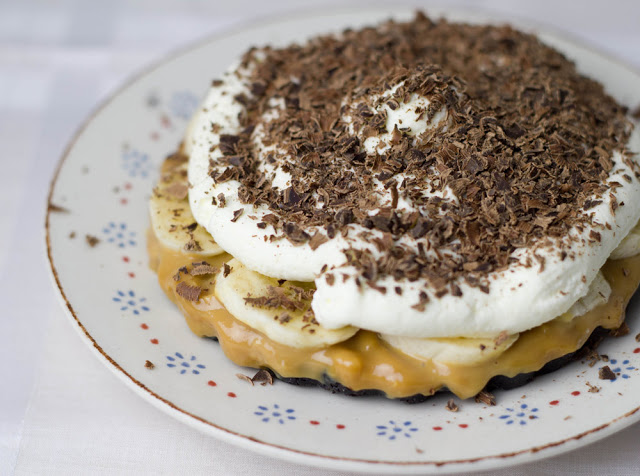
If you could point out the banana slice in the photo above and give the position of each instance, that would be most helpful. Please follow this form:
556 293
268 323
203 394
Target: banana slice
459 350
629 246
171 218
599 292
279 310
454 350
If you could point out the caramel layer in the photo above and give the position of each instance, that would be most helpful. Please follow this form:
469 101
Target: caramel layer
365 361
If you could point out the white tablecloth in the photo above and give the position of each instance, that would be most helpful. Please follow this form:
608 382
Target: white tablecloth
61 411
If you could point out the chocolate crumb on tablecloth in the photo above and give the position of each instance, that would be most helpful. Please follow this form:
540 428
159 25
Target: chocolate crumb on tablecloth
451 406
72 235
149 365
92 240
486 398
527 147
188 292
637 337
605 373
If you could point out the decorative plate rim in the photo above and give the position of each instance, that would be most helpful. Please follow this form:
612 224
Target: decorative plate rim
275 450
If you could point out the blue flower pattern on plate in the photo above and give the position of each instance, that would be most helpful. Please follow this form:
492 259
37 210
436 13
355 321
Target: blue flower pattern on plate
129 301
393 430
136 163
118 234
183 104
519 415
622 369
184 365
275 414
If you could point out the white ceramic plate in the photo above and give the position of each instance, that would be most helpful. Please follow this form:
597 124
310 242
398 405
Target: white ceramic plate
113 299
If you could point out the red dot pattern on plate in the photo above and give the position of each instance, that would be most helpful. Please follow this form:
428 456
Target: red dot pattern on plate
554 402
340 426
314 422
437 428
124 201
144 326
636 351
155 136
128 186
463 425
211 383
232 395
125 259
154 341
575 394
131 275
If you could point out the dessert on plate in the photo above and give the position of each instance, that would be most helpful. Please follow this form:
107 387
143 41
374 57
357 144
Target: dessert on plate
401 209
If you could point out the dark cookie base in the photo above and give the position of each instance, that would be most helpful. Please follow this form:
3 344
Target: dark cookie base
499 382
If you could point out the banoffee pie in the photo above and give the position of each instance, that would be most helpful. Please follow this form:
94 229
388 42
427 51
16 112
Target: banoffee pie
401 209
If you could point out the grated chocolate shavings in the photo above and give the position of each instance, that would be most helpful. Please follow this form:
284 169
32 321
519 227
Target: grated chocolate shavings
526 149
190 227
263 377
317 240
246 378
181 270
290 298
188 292
192 245
236 214
202 269
149 365
226 269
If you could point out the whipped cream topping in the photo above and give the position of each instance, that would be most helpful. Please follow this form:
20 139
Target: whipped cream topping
519 297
